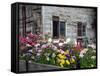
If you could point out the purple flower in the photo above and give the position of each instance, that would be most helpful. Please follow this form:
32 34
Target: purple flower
70 51
74 57
68 56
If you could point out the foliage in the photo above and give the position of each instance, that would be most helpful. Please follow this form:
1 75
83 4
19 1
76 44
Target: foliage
89 59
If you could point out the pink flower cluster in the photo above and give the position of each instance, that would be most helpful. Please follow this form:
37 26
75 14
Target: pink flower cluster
24 40
31 39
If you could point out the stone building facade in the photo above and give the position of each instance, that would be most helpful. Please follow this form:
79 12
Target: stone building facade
78 22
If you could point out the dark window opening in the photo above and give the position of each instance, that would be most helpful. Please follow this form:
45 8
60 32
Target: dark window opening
55 26
58 28
81 29
55 29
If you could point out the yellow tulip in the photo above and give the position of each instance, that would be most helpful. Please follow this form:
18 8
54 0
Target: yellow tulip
62 56
67 62
59 55
62 61
72 60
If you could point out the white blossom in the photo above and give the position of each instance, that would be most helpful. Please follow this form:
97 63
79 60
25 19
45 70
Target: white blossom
30 50
37 45
94 51
56 41
47 58
32 57
53 55
92 65
39 50
75 42
92 46
84 51
60 44
24 54
38 54
50 40
81 55
93 57
30 61
54 47
28 45
68 40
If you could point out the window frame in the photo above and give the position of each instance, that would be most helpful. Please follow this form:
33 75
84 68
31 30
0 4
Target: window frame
81 29
57 18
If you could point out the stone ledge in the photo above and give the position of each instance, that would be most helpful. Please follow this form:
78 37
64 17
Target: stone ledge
36 66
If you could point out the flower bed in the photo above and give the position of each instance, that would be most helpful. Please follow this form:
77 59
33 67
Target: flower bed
60 52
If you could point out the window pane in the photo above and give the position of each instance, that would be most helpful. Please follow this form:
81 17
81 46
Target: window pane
79 29
62 29
84 31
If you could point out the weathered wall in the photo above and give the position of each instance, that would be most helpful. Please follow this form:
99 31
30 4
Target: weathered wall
71 16
33 18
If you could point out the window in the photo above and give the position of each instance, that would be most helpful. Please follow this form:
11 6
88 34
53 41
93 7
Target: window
81 29
58 27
